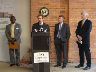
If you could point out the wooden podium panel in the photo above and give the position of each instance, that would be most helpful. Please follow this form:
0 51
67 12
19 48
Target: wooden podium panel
40 41
40 44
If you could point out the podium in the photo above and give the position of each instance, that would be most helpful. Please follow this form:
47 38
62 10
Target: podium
40 51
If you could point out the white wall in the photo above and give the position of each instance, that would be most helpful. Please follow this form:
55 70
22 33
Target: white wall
23 17
21 10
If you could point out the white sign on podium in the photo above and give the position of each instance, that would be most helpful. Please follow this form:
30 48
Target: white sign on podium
41 57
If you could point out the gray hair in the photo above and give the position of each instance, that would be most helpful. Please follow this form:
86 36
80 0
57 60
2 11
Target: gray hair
85 13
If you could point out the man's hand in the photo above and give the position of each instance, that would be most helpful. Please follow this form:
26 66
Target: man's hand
13 39
79 37
12 43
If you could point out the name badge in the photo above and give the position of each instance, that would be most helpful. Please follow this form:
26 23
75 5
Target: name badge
17 28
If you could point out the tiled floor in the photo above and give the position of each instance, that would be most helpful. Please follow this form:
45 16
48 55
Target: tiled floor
71 68
4 67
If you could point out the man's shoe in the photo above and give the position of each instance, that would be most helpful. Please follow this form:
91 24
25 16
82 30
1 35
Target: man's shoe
57 65
17 64
78 66
86 68
12 65
63 66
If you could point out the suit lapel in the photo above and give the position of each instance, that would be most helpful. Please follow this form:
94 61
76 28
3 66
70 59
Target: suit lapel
38 26
10 28
58 26
63 26
84 23
43 26
15 28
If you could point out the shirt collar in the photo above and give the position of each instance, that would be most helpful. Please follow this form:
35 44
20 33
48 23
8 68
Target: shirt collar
84 19
41 23
61 24
12 24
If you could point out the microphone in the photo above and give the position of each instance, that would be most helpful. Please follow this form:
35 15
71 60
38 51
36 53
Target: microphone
45 30
35 30
41 29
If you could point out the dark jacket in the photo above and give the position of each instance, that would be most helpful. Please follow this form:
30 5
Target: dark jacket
65 32
84 31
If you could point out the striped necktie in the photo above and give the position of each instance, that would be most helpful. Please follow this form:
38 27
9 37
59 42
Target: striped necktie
59 31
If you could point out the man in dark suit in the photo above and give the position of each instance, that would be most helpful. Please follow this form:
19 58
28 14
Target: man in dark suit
40 26
13 33
83 35
61 37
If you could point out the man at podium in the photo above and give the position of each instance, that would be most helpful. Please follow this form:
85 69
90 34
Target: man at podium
40 26
40 46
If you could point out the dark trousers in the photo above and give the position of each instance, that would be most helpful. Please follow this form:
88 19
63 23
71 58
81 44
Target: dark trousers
14 56
84 49
61 47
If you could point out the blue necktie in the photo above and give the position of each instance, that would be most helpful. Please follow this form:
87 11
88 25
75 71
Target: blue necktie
59 32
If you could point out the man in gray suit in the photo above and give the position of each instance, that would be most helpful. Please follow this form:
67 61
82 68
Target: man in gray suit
61 37
13 33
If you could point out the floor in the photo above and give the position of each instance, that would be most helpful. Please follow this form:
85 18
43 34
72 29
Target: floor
4 67
71 68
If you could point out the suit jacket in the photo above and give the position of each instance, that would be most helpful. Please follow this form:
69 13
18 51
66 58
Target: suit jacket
65 32
37 27
84 30
17 32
